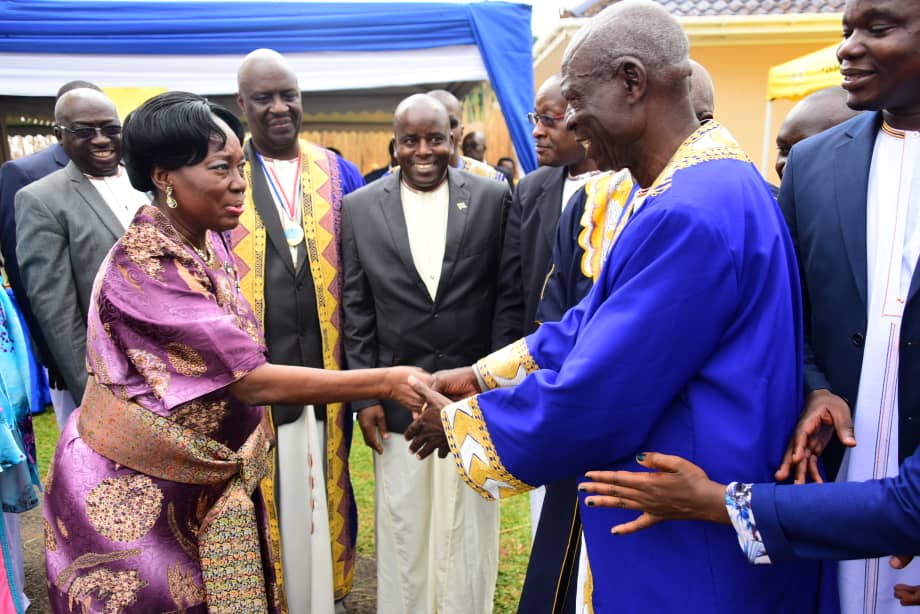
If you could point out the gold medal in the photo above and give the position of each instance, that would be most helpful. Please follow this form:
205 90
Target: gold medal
293 234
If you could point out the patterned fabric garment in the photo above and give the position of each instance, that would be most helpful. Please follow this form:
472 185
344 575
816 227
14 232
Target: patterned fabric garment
168 331
688 342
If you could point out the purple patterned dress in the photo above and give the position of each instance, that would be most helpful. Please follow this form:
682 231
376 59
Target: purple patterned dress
169 331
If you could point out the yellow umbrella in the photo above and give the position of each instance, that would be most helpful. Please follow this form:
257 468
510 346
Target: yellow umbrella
796 79
799 77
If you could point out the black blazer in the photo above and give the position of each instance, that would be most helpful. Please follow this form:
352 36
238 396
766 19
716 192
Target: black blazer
823 197
15 175
527 251
389 317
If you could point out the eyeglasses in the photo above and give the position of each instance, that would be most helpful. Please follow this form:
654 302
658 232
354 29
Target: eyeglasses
544 118
89 132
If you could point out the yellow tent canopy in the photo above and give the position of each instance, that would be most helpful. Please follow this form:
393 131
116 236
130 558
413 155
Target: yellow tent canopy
799 77
796 79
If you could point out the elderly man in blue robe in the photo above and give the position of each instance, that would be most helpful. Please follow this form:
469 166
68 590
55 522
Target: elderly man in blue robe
690 342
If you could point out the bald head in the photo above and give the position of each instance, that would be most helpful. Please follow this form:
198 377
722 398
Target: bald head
815 113
702 92
89 111
626 77
269 96
641 29
420 104
262 60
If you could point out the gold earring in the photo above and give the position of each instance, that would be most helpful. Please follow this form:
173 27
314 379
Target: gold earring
170 201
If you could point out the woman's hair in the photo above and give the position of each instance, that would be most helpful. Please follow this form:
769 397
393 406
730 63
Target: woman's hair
172 130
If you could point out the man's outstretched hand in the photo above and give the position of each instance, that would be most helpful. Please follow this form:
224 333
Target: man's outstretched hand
426 434
457 383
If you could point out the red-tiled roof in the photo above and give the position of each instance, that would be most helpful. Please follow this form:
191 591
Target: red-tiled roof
709 8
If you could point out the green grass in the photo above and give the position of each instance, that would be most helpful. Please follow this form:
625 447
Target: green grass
46 436
514 547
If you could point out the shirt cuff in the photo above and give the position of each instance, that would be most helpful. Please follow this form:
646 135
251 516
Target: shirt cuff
741 513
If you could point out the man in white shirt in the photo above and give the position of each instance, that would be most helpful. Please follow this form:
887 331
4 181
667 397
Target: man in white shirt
66 223
420 256
851 197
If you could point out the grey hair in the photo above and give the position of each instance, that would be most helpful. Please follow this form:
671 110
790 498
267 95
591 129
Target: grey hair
642 29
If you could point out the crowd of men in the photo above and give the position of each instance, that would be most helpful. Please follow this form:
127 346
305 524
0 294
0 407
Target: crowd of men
679 285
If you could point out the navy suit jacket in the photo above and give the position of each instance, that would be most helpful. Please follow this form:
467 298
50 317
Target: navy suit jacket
846 520
14 175
823 197
526 253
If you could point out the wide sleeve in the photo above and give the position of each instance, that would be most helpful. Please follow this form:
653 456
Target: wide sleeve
611 367
846 520
814 377
359 318
159 323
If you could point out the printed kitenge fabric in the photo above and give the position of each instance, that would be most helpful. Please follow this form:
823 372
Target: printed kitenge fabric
322 190
689 343
18 473
168 333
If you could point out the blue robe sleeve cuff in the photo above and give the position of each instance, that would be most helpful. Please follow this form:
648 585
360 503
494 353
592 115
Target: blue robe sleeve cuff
474 453
505 367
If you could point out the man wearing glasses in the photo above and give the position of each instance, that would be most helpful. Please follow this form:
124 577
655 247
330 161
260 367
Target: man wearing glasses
530 233
66 223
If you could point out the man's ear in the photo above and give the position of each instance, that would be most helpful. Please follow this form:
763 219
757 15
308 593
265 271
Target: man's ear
58 133
634 79
239 102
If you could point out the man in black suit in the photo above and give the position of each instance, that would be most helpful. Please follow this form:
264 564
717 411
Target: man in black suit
851 197
421 253
538 202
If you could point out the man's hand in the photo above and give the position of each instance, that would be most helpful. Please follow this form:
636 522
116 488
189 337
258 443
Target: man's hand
55 379
906 594
825 413
426 434
372 419
457 383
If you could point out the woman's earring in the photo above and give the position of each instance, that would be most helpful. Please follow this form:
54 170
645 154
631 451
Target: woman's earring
170 201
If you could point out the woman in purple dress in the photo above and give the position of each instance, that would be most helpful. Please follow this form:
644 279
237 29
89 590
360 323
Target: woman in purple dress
152 501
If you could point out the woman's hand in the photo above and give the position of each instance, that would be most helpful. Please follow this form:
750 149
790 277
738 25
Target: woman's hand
678 489
399 389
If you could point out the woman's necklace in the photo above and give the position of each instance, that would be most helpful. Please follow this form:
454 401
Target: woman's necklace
205 254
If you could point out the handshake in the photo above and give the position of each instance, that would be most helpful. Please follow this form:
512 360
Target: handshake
425 395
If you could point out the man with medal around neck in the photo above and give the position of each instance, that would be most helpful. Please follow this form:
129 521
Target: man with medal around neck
287 249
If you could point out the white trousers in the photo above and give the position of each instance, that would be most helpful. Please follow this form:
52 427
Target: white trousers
306 551
437 539
63 404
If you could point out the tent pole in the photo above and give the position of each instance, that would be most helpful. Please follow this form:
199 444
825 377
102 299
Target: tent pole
767 126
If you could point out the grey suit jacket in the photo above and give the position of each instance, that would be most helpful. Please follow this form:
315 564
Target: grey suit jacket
64 230
389 317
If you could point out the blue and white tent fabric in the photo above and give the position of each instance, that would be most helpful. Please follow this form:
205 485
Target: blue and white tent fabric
197 46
